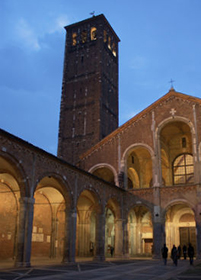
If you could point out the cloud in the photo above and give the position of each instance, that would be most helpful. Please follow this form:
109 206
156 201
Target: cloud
59 23
138 62
27 34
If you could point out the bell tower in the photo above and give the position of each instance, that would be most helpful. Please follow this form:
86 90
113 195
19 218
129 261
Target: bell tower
89 102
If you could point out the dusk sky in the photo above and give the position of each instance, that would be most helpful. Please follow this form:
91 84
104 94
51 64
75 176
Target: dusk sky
160 41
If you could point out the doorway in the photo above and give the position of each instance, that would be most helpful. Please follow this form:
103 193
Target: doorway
187 235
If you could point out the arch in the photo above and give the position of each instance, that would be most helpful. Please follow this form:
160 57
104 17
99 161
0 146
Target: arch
13 186
174 136
9 215
140 231
137 166
87 209
52 202
59 182
105 175
180 226
10 165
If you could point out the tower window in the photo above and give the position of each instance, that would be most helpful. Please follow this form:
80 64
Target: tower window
93 33
105 36
183 142
74 39
109 43
84 36
183 169
114 49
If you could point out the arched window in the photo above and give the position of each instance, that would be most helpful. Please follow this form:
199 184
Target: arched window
183 169
74 39
93 33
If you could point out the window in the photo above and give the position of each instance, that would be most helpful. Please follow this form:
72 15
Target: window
74 39
183 169
105 36
183 142
93 33
84 36
114 49
109 43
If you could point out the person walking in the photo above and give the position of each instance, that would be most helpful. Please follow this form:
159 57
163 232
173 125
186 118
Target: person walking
174 255
165 254
184 251
191 253
111 250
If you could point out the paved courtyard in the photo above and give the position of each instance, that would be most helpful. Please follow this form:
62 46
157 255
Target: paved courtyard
113 269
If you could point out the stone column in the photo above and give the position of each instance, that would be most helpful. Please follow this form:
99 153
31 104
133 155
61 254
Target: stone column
21 233
100 237
28 231
70 237
158 233
118 238
24 232
198 229
125 239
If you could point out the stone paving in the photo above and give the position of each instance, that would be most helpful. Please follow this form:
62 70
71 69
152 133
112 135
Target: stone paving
109 270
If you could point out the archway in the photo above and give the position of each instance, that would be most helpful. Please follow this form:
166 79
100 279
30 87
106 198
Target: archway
140 231
86 224
175 147
180 226
11 191
105 172
9 210
49 221
138 163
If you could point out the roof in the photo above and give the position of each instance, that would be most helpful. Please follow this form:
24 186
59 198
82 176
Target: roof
171 92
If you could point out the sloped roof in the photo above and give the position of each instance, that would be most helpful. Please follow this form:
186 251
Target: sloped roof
171 93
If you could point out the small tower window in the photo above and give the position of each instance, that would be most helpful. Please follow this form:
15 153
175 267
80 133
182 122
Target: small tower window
93 33
183 142
74 39
114 49
105 36
109 43
84 36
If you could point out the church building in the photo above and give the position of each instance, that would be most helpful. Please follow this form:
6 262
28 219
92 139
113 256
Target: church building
133 187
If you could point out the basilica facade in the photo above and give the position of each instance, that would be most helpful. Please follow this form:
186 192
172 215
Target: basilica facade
133 187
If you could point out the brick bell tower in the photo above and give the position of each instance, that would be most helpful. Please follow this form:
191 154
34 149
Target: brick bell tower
89 102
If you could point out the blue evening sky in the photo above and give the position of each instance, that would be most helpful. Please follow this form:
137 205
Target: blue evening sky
160 41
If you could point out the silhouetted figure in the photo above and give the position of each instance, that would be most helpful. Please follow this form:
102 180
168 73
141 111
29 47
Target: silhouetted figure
164 253
111 251
184 251
191 253
179 252
174 255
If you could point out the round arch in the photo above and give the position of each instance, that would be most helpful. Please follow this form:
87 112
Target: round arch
140 231
13 186
174 136
103 174
88 207
180 226
137 165
52 202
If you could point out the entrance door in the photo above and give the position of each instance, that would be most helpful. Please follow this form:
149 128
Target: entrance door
187 235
